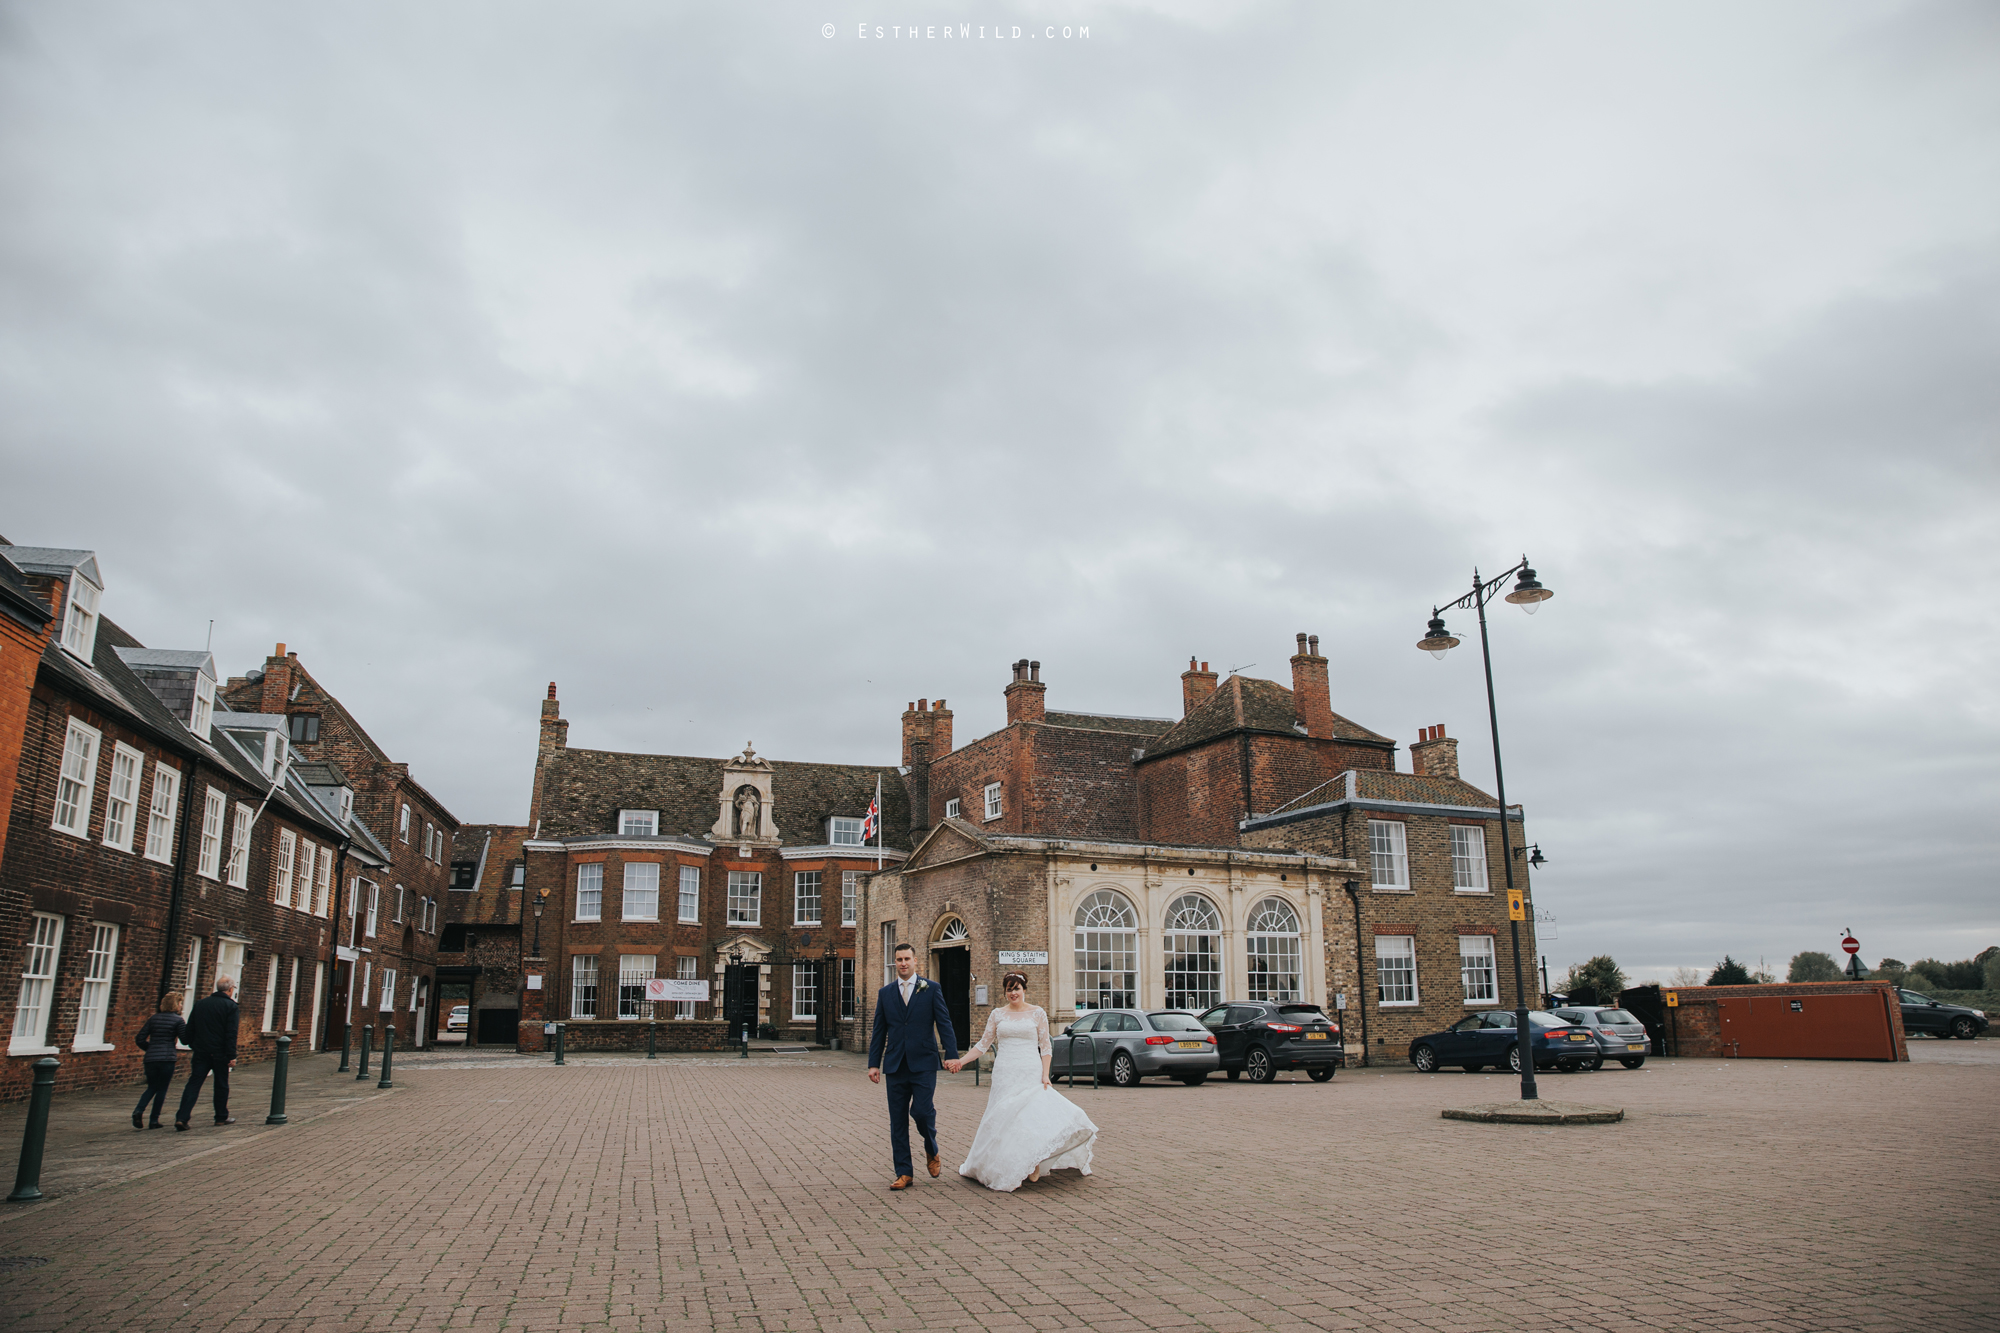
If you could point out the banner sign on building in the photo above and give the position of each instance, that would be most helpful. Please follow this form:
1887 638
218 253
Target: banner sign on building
662 990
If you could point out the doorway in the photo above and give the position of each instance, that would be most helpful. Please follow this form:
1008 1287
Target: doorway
336 1009
954 971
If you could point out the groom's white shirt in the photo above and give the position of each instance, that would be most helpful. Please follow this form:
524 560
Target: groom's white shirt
906 986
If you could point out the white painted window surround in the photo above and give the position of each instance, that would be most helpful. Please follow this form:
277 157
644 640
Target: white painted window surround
1388 854
77 779
1396 970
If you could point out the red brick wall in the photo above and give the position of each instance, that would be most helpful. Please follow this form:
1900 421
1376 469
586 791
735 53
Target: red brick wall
1695 1031
20 657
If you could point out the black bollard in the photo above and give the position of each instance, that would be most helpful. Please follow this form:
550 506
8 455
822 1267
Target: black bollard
346 1043
388 1054
652 1040
28 1179
367 1033
284 1065
559 1037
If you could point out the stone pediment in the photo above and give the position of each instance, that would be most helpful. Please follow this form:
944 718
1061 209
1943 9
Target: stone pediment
949 841
747 814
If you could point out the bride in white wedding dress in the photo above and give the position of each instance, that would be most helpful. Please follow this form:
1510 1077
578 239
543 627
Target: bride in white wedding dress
1029 1128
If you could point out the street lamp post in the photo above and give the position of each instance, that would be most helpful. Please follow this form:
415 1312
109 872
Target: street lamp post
1528 594
541 900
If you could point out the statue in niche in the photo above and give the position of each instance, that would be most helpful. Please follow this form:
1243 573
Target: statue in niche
748 822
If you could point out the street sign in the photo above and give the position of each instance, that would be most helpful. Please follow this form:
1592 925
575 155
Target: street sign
1024 958
1545 925
670 990
1851 944
1517 907
1673 999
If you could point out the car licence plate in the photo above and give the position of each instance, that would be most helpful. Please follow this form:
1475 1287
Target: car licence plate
1315 1036
1636 1046
1190 1045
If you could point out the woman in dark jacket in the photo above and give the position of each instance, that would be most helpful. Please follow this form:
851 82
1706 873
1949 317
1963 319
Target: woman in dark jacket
160 1038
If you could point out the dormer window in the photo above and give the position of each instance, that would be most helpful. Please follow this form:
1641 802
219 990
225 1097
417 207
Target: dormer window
346 805
274 753
204 704
638 823
305 728
843 832
80 621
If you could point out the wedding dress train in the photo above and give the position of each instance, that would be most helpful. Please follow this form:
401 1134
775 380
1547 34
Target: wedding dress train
1026 1125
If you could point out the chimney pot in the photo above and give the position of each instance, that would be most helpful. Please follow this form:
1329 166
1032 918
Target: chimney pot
1204 666
280 652
1302 645
552 689
1034 671
1312 644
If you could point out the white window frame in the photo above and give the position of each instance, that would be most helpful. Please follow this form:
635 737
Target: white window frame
808 972
581 1006
93 1007
34 1008
161 812
685 968
230 956
388 990
374 909
888 952
745 903
992 797
283 874
1468 859
308 867
214 813
323 888
239 847
400 893
80 617
318 1006
204 705
951 809
690 893
403 823
634 971
1388 854
191 991
590 891
121 812
801 901
1473 963
843 832
1402 959
292 999
638 823
635 894
850 897
271 973
76 781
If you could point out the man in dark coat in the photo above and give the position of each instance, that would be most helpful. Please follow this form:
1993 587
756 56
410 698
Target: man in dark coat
910 1020
211 1035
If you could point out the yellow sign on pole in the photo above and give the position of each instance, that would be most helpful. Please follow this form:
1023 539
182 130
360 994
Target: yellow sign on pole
1673 999
1517 907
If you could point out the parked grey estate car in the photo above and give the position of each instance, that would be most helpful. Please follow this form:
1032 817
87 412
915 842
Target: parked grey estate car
1620 1036
1126 1045
1923 1014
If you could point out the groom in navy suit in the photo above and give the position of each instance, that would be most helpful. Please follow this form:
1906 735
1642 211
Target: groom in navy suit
902 1045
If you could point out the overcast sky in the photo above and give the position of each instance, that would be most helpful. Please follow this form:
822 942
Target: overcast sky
751 382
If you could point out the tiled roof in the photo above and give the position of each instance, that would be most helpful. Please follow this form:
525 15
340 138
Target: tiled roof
1244 703
1372 785
583 791
18 597
56 560
1136 726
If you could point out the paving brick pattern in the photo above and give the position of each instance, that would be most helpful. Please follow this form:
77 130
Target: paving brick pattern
493 1193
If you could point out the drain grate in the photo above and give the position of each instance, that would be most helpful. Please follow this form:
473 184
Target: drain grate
10 1262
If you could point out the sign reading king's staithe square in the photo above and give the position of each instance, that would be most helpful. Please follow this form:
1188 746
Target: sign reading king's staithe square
1024 958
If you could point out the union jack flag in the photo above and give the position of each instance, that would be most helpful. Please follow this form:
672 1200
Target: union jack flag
871 823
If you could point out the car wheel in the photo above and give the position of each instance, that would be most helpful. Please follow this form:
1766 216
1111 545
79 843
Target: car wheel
1474 1069
1258 1065
1964 1029
1320 1073
1632 1061
1425 1059
1595 1065
1514 1058
1124 1073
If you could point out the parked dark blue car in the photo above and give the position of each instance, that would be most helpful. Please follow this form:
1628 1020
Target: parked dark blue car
1487 1038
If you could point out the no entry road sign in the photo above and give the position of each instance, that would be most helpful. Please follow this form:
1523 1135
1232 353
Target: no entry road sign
1851 944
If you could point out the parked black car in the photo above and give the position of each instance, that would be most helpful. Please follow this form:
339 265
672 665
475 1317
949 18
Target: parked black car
1261 1037
1620 1035
1483 1039
1923 1014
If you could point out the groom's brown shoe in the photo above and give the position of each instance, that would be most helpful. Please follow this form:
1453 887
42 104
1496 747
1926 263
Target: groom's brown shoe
901 1183
936 1164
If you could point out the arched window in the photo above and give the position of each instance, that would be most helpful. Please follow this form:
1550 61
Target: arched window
1107 952
1194 953
1273 944
954 931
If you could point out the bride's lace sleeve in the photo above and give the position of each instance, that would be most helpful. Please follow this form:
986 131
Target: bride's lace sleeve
985 1042
1042 1042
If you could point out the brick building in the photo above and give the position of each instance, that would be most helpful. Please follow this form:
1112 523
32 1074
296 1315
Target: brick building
154 842
481 949
393 903
24 633
1155 861
673 866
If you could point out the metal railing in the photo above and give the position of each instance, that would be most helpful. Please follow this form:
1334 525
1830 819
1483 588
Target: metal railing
1069 1059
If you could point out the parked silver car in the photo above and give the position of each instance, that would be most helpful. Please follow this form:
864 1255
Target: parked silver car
1619 1035
1126 1045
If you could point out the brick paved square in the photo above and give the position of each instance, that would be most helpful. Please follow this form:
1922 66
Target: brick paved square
705 1193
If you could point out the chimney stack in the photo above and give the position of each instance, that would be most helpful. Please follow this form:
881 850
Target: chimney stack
1024 695
926 736
555 736
276 686
1435 755
1197 683
1312 699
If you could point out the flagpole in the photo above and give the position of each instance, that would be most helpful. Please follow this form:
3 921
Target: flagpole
878 823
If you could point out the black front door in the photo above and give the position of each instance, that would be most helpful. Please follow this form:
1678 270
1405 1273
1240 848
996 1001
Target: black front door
336 1010
955 975
739 1000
